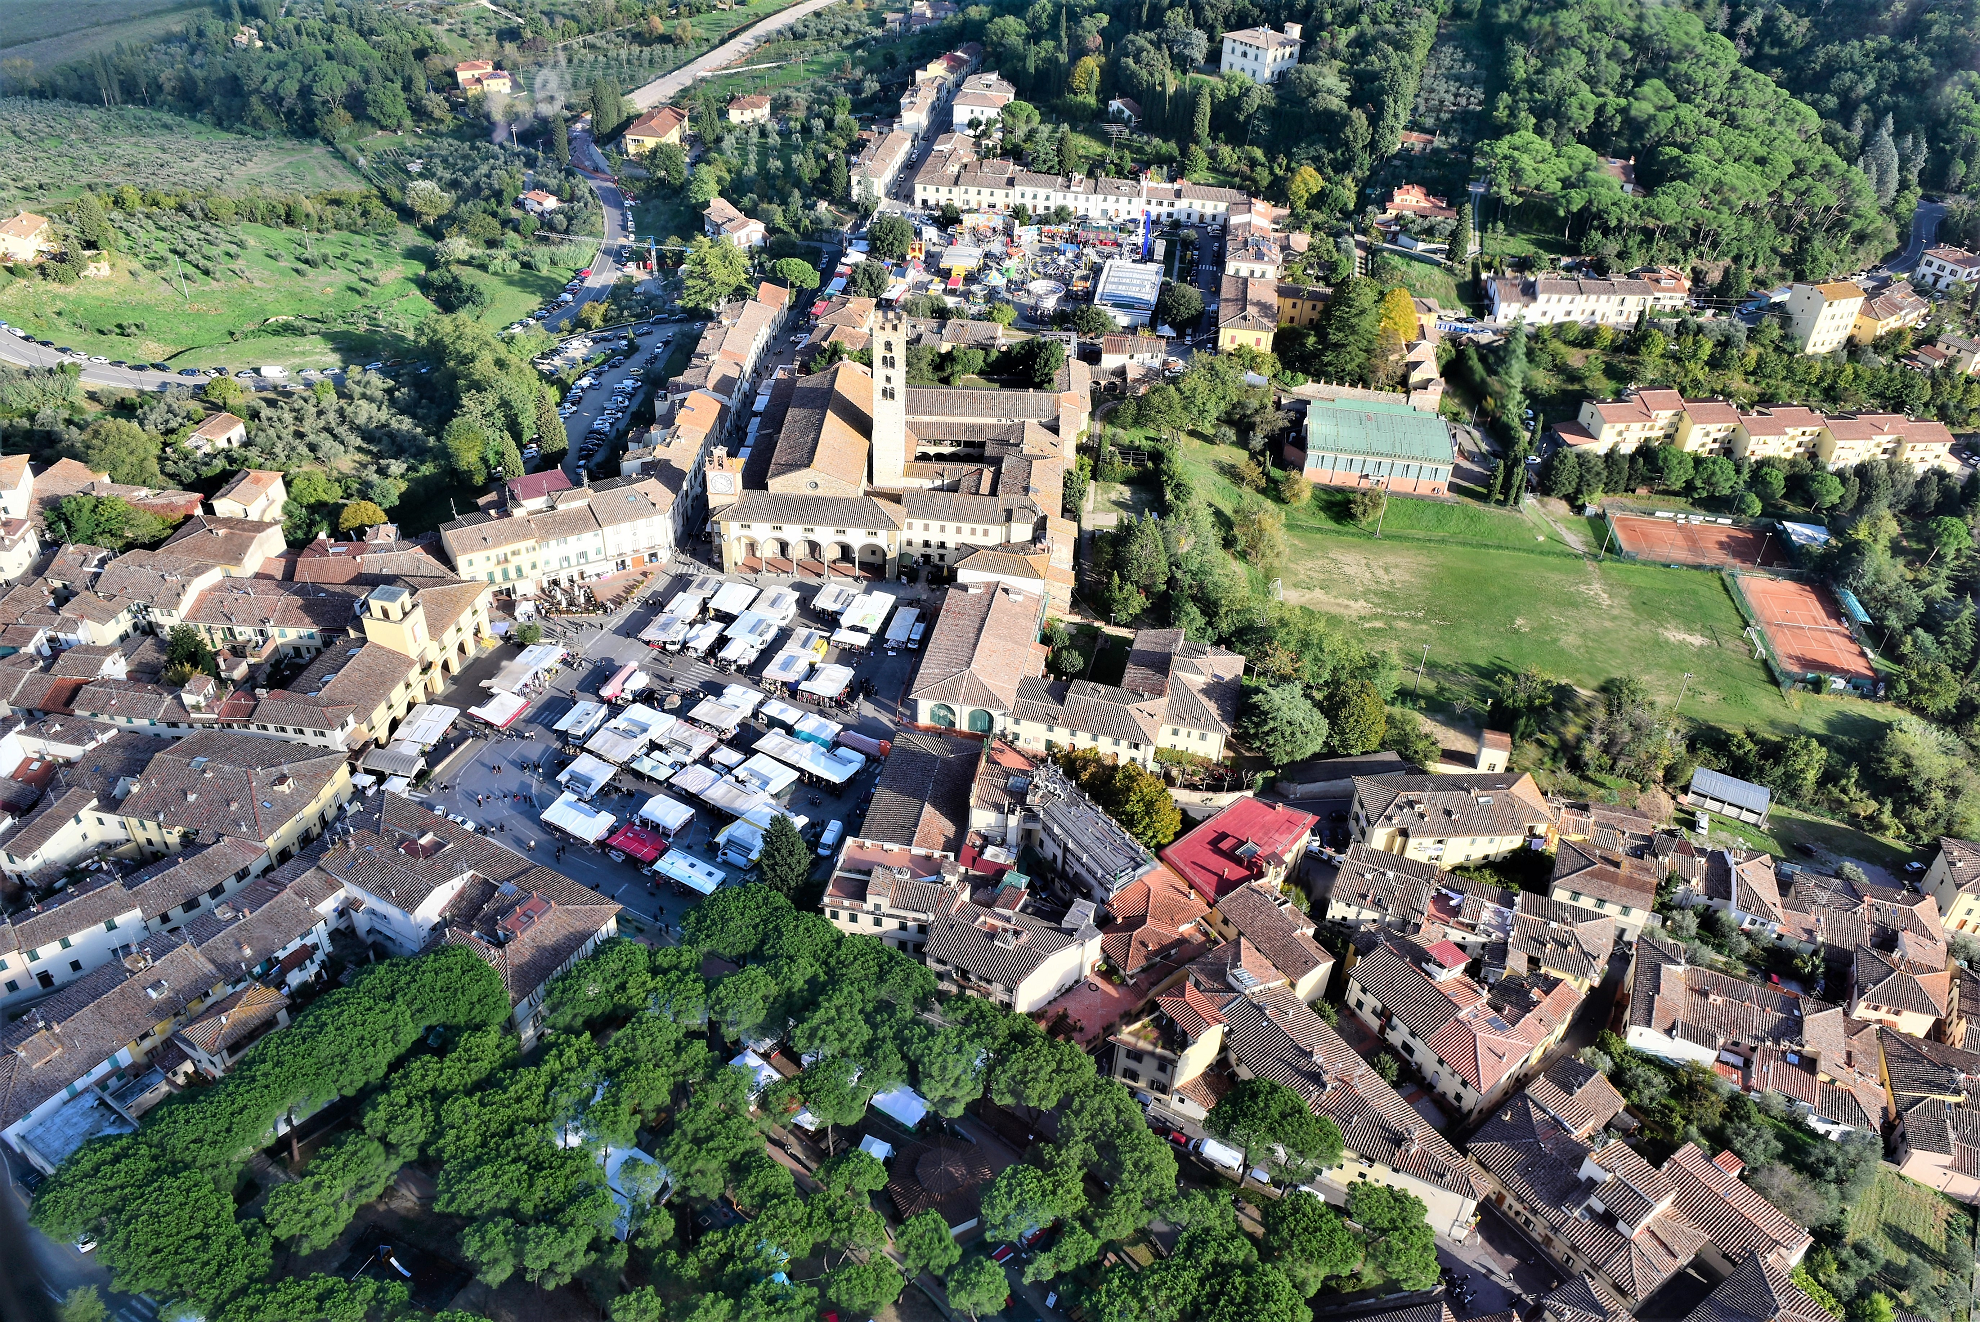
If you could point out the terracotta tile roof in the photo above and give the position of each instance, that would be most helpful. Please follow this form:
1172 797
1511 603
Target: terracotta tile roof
982 648
1464 806
1737 1219
1155 917
1281 935
86 1021
923 794
225 784
234 1019
1576 1095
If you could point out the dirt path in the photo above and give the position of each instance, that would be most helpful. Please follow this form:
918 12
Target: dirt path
664 89
1544 507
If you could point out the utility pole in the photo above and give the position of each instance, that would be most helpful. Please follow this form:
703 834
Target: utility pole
1383 513
1681 688
1606 538
1421 662
182 278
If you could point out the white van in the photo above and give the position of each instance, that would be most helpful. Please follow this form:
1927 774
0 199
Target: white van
830 840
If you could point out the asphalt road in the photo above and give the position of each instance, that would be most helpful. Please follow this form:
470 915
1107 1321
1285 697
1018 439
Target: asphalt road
662 90
27 353
617 229
1924 228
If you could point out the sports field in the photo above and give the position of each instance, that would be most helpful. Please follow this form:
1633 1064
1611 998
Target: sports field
1489 596
1674 541
1805 628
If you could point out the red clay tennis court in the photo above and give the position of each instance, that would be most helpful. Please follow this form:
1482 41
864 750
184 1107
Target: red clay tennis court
1806 629
1667 541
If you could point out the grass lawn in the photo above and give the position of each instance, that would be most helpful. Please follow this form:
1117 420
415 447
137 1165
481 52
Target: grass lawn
1427 281
1832 842
53 32
1489 596
1906 1218
249 315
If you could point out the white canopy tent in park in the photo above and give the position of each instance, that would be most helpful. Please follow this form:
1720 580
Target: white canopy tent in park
868 613
876 1147
833 598
576 818
501 710
426 724
586 776
668 815
765 775
762 1073
829 682
789 666
526 668
903 1105
733 599
584 717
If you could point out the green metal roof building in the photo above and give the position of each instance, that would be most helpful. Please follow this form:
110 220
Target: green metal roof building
1365 443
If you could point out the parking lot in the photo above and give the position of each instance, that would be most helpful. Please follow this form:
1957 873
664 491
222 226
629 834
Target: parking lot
503 780
600 406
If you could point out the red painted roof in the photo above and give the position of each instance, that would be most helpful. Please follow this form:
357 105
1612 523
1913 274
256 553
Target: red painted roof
1234 847
534 486
638 841
1448 954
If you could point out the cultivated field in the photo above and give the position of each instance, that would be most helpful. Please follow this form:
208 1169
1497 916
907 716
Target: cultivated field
50 32
1489 597
1906 1219
50 149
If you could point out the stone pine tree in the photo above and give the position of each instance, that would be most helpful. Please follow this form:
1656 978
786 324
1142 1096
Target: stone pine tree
786 861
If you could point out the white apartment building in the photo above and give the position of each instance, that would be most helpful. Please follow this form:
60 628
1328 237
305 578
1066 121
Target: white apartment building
1261 54
1557 300
956 176
1945 266
1822 317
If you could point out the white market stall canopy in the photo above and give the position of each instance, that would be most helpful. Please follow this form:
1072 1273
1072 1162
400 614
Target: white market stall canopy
789 667
627 736
688 604
869 612
743 698
577 818
903 625
779 604
667 631
858 638
833 598
688 743
836 766
670 815
690 872
740 651
814 641
829 682
782 712
765 775
586 776
653 768
733 599
703 637
726 757
754 626
817 729
720 792
427 724
717 716
581 720
501 710
519 673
